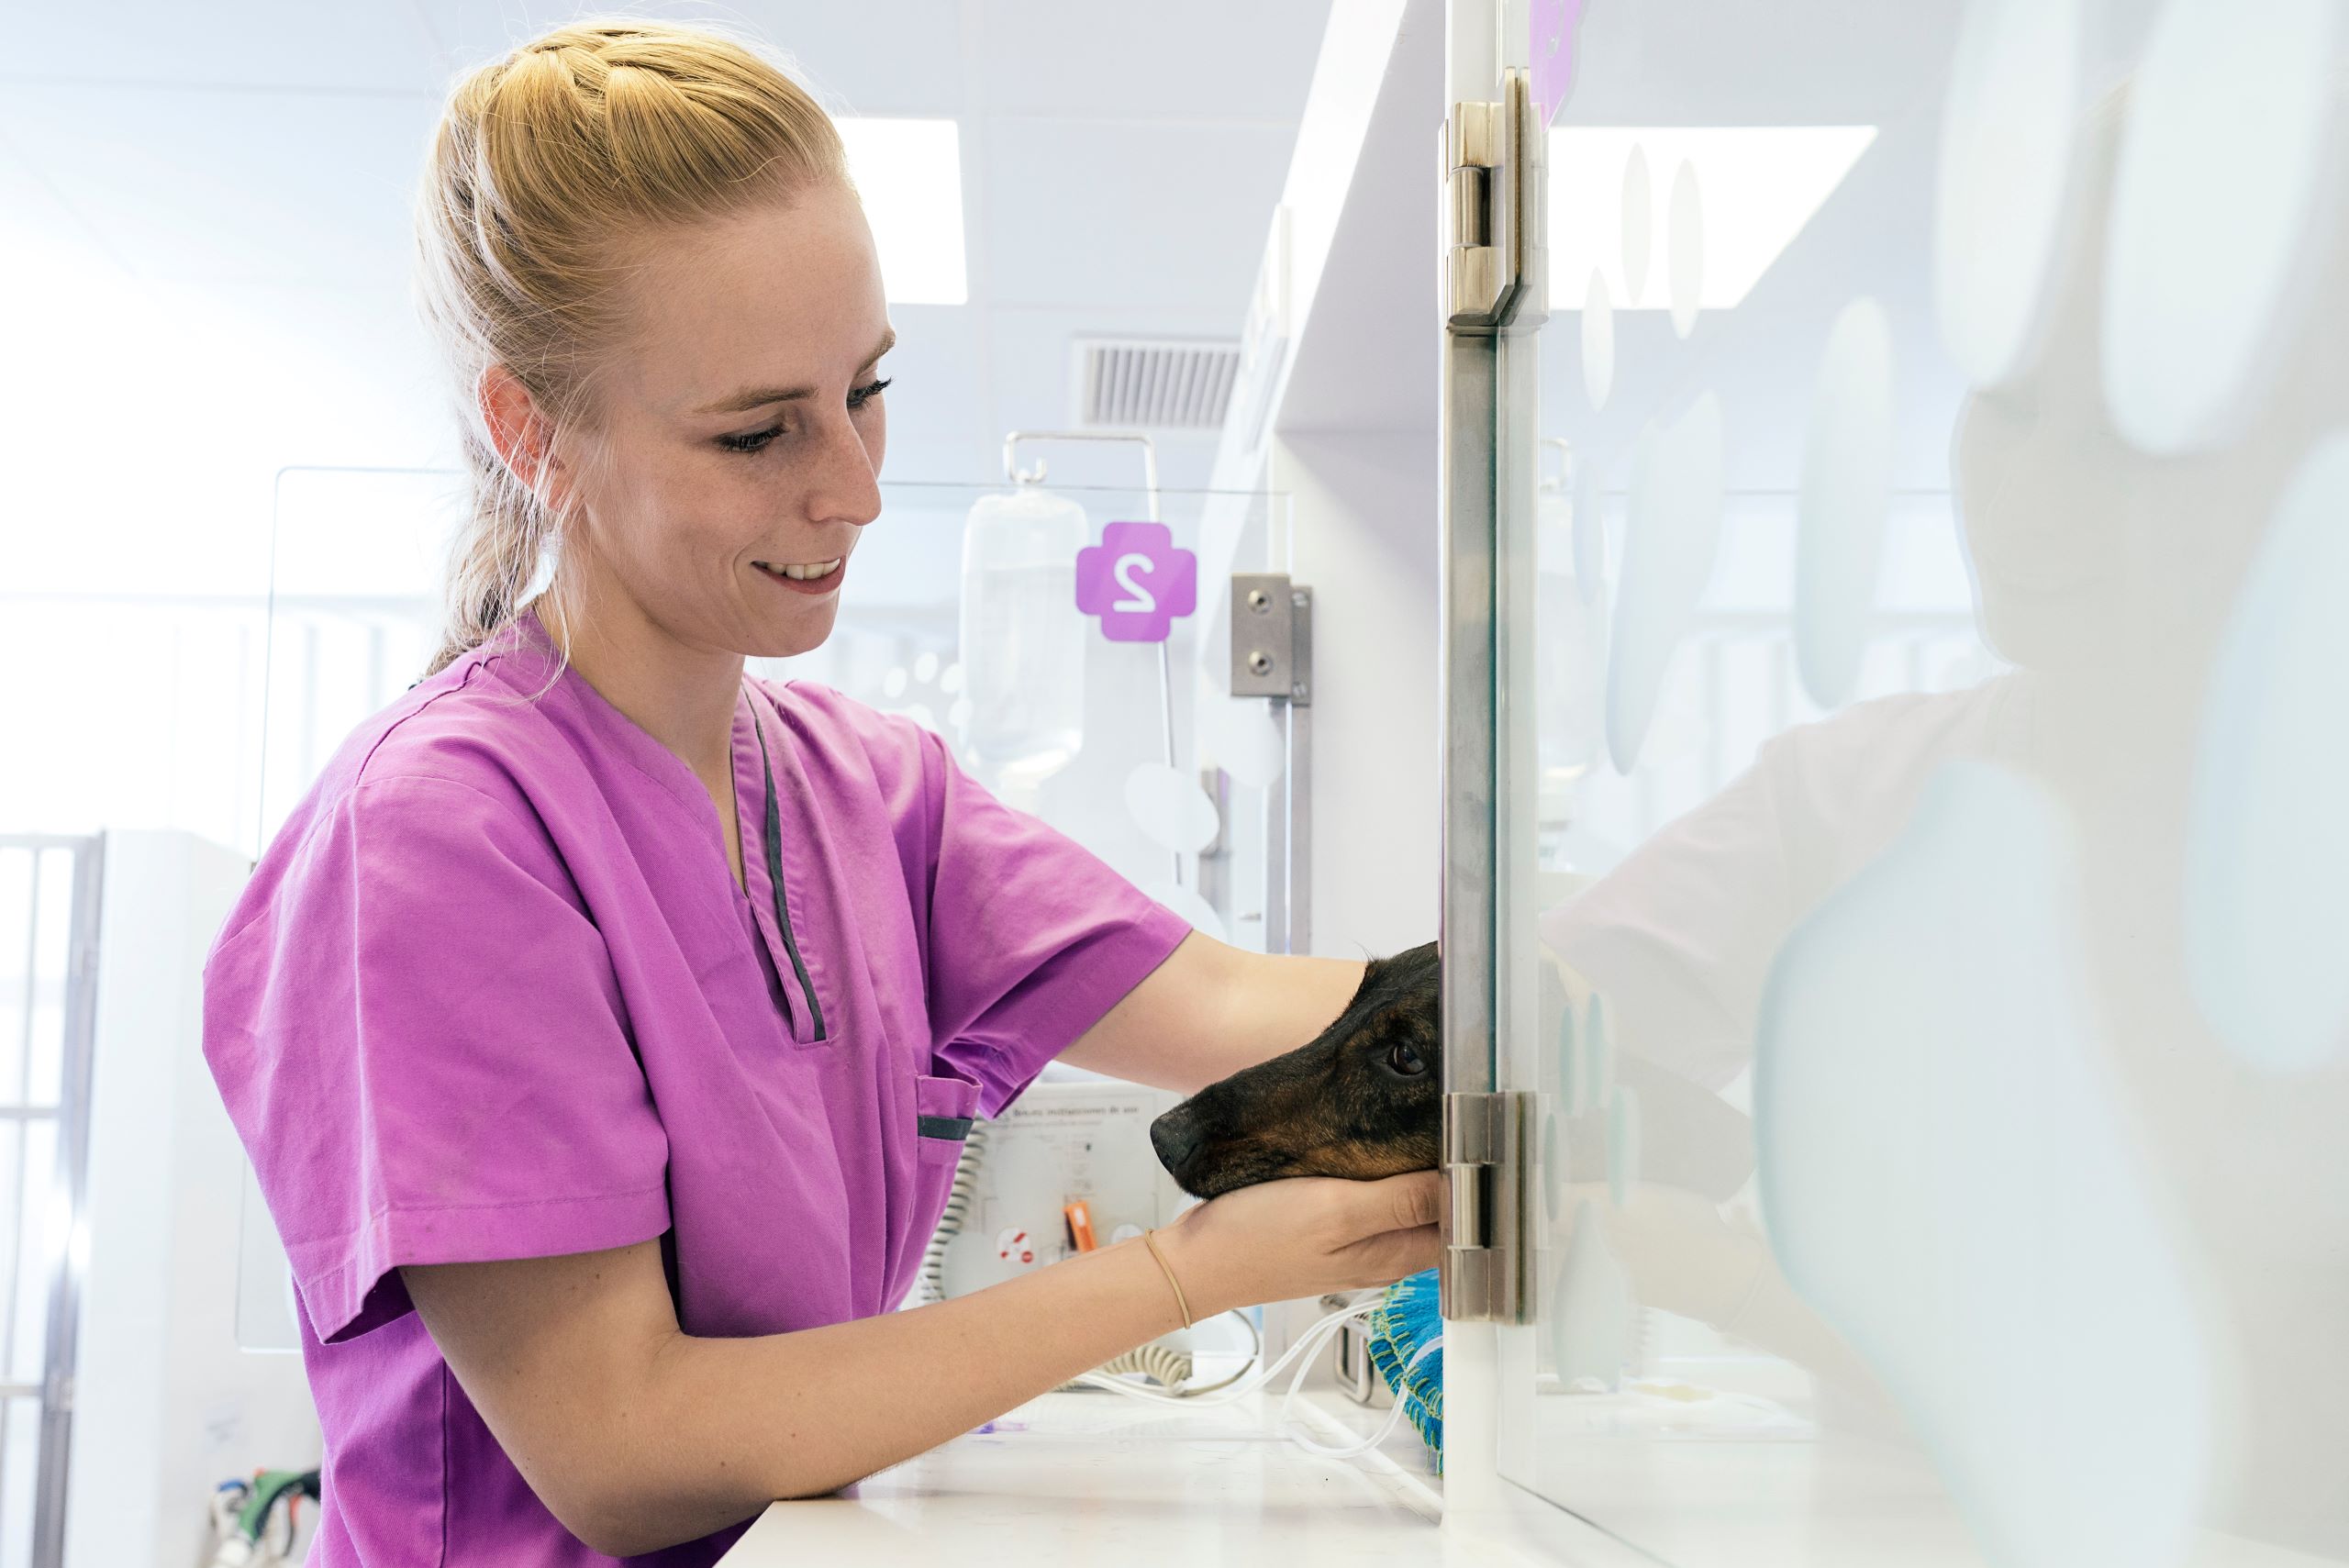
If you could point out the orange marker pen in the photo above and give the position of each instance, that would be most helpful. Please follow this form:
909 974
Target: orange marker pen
1080 1225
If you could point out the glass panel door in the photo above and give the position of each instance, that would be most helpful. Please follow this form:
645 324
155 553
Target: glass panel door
1920 692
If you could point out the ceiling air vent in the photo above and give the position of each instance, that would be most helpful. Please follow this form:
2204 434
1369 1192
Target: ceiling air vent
1154 384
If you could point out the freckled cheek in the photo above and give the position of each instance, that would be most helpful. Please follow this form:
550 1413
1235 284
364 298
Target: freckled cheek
656 507
700 540
720 518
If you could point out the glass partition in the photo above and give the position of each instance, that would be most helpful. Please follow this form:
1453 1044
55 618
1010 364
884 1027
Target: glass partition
1921 915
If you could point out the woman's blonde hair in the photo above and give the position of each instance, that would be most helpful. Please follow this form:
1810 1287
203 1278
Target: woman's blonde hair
548 168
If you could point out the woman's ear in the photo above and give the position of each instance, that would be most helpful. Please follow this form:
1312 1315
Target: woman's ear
518 429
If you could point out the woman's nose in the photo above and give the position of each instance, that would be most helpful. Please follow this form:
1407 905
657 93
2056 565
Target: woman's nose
844 485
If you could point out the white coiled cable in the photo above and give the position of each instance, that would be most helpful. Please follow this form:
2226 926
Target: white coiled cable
959 1198
1162 1363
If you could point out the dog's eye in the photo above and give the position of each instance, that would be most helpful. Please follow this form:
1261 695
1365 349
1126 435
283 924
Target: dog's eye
1403 1059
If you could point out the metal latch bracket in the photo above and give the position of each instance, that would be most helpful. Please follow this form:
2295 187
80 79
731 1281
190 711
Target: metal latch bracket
1271 637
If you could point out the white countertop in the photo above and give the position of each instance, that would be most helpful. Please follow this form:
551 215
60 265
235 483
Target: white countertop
1097 1478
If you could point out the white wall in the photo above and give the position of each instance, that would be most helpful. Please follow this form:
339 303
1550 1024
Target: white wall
1364 510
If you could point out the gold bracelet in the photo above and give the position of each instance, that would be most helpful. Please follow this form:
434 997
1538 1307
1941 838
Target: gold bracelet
1179 1301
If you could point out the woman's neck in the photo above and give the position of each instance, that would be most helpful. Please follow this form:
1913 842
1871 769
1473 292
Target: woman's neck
682 695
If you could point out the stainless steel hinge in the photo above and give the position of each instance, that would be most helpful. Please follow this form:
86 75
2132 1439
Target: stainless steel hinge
1484 1226
1494 246
1272 637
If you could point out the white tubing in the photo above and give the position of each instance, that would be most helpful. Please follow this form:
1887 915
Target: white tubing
1308 1344
1311 1340
1386 1428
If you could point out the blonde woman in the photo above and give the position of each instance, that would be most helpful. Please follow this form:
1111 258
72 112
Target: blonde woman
604 1022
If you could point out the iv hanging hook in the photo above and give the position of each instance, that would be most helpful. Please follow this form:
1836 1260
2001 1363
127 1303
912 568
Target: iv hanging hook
1018 476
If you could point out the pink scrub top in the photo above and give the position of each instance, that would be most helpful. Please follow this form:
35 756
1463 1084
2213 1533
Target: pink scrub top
493 993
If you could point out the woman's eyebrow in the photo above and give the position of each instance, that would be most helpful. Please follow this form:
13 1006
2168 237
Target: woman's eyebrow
760 396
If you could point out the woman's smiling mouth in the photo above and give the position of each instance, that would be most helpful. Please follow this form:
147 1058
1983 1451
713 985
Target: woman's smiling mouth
805 577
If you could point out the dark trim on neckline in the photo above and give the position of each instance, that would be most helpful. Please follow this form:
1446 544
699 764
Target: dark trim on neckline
773 846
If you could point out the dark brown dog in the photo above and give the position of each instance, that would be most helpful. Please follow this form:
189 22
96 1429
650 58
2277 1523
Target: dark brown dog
1363 1099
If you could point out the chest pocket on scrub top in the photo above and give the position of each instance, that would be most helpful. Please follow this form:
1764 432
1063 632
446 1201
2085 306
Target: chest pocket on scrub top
943 1108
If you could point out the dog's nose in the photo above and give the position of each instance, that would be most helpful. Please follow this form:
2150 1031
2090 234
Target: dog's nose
1176 1139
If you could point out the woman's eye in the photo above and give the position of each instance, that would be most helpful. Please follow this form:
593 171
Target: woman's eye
1405 1061
755 442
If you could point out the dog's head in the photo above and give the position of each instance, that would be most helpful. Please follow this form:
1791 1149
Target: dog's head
1362 1099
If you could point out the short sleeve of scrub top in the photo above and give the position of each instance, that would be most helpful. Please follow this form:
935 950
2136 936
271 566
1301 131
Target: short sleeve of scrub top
438 1045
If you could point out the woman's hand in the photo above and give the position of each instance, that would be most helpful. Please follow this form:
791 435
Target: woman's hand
1303 1236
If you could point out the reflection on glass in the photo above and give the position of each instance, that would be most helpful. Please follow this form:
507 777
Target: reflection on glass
1968 1147
1597 341
1948 1181
2267 874
1598 1316
1846 491
1686 254
2231 155
1670 535
1639 221
2006 165
1570 604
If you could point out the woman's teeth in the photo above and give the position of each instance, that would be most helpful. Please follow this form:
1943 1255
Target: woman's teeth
805 574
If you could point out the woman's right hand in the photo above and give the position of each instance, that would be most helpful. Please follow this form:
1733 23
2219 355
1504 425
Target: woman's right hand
1302 1237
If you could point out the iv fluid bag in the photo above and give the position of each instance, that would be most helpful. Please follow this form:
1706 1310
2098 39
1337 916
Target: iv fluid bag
1023 637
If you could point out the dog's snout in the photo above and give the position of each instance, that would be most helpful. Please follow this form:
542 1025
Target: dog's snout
1176 1138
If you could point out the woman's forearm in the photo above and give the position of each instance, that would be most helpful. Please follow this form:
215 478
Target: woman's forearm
716 1428
856 1397
1212 1009
1286 999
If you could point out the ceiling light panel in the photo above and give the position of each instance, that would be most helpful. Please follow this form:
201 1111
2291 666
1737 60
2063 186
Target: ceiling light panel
909 173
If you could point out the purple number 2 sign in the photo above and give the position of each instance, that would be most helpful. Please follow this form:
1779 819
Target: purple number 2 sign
1136 581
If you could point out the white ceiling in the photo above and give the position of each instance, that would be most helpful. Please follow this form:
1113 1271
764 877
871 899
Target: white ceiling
1121 164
